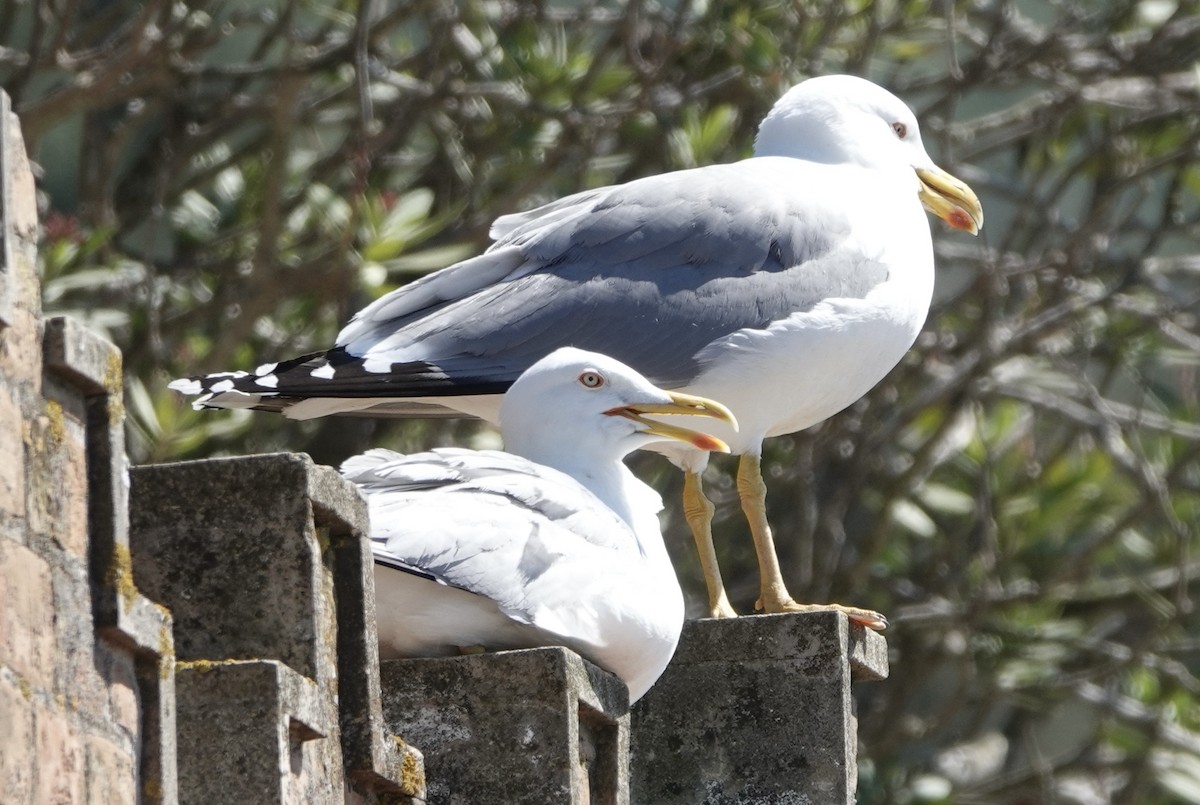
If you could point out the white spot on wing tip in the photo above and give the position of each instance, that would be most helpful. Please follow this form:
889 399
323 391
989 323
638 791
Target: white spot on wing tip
267 381
266 369
324 372
223 385
186 385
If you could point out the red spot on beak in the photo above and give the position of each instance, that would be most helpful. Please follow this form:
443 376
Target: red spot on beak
960 220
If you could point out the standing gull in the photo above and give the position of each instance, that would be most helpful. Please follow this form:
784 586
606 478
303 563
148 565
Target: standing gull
553 543
785 285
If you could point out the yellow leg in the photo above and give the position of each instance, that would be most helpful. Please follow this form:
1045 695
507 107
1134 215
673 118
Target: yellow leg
698 511
773 595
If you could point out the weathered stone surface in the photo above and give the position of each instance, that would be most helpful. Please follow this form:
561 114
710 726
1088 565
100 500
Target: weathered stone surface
92 364
60 764
12 468
26 615
111 777
375 761
537 726
247 723
17 759
18 215
20 356
755 710
56 469
229 546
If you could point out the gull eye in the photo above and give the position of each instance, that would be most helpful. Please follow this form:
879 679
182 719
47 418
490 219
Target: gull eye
591 380
900 129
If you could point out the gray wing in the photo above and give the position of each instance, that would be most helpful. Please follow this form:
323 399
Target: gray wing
457 502
528 537
648 272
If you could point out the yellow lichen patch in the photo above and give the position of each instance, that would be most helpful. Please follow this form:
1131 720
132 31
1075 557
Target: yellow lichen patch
112 372
412 775
152 789
56 428
112 383
25 688
323 539
203 666
119 575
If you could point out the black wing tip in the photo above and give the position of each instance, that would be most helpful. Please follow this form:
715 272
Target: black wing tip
337 373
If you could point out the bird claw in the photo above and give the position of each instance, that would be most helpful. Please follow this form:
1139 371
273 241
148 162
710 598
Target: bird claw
867 617
722 609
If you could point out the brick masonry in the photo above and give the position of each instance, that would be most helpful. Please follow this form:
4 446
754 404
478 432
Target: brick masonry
70 724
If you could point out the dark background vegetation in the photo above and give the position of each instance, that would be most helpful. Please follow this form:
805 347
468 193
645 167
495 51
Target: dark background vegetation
226 182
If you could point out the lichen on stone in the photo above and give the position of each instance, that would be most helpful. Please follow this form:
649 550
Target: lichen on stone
56 427
113 384
119 574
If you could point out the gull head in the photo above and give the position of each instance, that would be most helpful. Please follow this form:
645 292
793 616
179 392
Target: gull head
578 405
845 120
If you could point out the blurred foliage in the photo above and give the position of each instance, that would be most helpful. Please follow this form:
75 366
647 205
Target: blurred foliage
225 182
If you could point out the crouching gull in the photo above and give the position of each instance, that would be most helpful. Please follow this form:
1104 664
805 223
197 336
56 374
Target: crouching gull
553 543
785 285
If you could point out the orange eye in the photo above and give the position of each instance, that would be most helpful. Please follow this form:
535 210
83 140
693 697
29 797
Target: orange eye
592 380
900 129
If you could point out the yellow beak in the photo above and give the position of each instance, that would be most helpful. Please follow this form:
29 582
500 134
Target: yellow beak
950 199
680 405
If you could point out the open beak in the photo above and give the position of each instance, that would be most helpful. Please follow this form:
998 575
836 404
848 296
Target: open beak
950 199
680 405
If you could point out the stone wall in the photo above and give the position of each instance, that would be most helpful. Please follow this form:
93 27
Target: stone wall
85 661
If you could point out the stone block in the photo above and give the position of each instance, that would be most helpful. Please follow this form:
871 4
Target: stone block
18 214
230 547
537 726
20 358
111 775
56 470
79 671
60 760
17 758
246 723
26 615
12 447
755 709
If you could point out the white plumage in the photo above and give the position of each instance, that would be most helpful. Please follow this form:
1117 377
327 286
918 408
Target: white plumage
491 549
